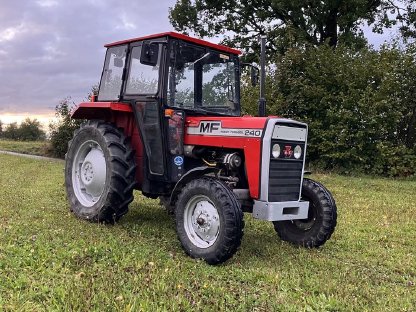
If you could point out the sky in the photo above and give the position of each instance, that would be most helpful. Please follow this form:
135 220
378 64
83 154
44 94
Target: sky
53 49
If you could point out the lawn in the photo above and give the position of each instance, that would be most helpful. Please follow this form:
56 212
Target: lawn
49 260
38 148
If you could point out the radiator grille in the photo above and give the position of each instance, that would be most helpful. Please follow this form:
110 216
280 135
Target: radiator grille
284 179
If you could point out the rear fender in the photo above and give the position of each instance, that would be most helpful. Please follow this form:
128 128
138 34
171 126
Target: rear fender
100 110
120 114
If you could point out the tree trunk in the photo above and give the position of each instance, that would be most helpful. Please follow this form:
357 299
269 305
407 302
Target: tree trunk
331 28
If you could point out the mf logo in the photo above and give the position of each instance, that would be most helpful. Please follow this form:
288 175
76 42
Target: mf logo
209 126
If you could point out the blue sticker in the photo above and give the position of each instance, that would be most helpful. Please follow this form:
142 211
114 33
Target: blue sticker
178 160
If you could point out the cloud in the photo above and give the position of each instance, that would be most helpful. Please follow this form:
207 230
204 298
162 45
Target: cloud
51 49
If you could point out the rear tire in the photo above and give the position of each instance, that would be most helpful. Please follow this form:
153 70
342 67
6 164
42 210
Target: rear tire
320 224
99 172
209 220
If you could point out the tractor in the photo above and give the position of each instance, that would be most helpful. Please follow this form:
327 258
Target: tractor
167 121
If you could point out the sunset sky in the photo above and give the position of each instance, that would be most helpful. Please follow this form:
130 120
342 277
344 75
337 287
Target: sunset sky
52 49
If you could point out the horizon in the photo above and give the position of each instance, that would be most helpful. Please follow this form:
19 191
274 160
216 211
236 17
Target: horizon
44 119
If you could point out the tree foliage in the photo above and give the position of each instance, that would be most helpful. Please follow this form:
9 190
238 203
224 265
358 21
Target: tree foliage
11 132
62 130
28 130
360 106
290 23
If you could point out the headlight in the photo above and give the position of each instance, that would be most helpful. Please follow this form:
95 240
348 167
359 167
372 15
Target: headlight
276 151
297 152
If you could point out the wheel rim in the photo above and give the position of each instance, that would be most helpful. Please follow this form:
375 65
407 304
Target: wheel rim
201 221
89 173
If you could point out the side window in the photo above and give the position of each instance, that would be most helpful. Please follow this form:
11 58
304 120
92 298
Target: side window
111 80
142 79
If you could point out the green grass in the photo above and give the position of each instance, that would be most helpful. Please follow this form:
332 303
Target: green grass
49 260
39 148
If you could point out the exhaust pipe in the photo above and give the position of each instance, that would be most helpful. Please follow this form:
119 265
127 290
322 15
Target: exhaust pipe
262 99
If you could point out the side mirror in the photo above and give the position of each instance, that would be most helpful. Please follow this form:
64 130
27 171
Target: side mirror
118 62
254 74
149 54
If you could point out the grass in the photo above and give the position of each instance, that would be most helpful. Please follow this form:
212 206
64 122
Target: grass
38 148
51 261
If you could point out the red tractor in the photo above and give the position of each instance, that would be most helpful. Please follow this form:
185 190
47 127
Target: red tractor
167 121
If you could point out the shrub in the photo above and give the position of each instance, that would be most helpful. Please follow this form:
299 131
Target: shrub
29 130
61 131
359 105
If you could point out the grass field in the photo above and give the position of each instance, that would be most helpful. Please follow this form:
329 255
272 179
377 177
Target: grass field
38 148
49 260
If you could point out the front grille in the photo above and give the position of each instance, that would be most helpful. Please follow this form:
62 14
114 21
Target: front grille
284 179
285 171
285 174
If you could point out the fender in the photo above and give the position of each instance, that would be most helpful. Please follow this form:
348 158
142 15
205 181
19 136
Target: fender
120 114
190 175
100 110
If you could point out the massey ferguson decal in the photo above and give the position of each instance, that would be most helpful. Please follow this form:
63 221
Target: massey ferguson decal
288 151
214 128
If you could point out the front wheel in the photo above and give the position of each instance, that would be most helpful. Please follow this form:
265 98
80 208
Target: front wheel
320 224
209 220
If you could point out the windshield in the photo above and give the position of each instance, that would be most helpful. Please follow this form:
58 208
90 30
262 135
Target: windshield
203 80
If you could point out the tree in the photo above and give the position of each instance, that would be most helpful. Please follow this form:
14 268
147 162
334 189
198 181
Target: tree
401 13
31 130
360 107
61 132
1 128
286 23
11 131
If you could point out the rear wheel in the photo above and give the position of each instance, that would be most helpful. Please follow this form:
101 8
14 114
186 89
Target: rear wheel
209 220
320 224
99 172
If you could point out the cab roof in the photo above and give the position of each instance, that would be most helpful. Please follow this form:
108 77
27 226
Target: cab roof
172 34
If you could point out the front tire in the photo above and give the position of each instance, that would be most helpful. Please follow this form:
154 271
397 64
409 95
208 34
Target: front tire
209 220
320 224
99 172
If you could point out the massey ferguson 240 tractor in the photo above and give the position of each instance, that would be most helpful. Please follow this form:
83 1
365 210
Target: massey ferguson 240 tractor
167 121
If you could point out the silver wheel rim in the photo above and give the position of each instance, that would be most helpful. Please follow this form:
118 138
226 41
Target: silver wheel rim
89 173
201 221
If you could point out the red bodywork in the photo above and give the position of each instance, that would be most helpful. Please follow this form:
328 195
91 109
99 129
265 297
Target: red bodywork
251 147
172 34
121 114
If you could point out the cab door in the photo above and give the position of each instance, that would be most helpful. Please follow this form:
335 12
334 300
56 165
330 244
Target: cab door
143 89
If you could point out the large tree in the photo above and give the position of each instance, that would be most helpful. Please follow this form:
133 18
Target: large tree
31 130
288 22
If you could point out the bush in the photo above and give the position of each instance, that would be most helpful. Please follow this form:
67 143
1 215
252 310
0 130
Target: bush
29 130
359 105
61 132
11 132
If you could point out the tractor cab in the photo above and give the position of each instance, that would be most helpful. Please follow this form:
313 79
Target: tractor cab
164 78
173 71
